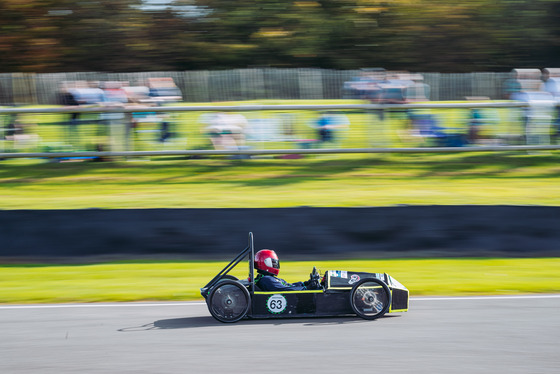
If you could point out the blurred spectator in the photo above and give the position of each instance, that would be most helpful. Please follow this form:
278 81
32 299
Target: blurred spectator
403 87
226 130
114 92
538 116
425 126
379 85
366 86
137 94
328 123
68 98
22 135
78 93
88 95
550 73
475 122
164 90
552 86
511 87
522 80
551 77
528 87
114 97
165 128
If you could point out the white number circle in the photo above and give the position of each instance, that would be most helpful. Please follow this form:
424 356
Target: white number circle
276 303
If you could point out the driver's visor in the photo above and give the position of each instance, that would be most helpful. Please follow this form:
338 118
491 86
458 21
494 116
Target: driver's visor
272 263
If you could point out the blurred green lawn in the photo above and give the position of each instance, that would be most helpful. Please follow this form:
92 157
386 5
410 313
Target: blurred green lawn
136 281
506 178
375 180
513 178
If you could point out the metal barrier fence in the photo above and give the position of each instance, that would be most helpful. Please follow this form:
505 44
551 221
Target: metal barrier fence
244 131
248 84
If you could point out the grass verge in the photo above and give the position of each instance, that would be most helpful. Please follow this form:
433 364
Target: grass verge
326 180
142 281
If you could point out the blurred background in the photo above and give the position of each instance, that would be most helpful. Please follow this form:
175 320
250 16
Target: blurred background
120 75
153 35
51 112
127 53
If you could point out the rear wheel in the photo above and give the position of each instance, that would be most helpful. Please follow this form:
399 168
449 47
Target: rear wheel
227 276
370 298
228 301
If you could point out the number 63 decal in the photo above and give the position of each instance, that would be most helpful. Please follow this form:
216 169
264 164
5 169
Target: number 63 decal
276 304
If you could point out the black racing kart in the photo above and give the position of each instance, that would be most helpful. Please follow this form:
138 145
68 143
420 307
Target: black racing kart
338 293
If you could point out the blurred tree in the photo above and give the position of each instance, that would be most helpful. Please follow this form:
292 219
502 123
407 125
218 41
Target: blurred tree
94 35
27 39
144 35
325 33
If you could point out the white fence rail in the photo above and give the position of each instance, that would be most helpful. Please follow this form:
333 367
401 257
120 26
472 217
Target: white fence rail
247 108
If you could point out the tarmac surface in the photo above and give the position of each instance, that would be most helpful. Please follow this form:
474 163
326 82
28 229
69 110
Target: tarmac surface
500 334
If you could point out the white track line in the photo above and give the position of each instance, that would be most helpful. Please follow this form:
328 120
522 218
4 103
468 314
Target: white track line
504 297
132 304
97 305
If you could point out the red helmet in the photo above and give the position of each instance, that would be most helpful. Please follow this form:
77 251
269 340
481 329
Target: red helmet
266 261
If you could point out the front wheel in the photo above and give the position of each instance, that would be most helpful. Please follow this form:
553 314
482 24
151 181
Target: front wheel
370 298
228 301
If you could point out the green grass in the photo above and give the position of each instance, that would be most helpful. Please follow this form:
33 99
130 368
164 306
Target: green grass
325 180
182 280
374 180
512 178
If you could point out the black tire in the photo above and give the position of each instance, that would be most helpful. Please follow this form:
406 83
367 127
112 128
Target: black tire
224 277
370 298
227 276
228 301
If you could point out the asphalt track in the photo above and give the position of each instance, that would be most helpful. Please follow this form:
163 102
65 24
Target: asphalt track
438 335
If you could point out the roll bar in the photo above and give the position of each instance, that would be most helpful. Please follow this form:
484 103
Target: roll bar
250 250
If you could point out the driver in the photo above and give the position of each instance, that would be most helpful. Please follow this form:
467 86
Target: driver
268 267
